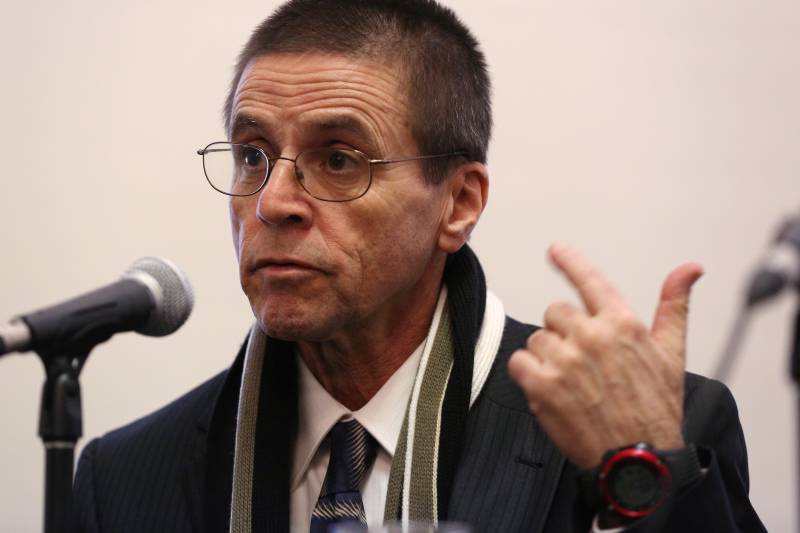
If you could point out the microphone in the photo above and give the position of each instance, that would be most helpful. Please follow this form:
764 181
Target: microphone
780 267
153 297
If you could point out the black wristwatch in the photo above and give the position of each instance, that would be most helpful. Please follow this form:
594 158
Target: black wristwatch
633 481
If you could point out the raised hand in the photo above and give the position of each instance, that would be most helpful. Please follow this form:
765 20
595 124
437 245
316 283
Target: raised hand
598 378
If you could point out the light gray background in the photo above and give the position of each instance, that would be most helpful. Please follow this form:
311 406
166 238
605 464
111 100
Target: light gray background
644 133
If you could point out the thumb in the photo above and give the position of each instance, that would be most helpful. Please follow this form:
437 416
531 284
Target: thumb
669 325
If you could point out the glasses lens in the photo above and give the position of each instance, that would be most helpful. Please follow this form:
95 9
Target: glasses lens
333 173
238 169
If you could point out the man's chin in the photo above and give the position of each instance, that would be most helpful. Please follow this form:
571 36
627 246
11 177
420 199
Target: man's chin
293 327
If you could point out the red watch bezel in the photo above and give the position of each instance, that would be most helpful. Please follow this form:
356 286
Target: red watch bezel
638 453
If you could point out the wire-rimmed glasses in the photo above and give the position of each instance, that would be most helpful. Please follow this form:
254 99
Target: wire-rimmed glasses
328 174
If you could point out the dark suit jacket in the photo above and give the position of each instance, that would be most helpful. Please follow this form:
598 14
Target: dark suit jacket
150 476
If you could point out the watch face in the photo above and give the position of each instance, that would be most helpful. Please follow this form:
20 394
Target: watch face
635 484
634 481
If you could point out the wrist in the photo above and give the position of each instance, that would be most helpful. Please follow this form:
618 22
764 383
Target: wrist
634 481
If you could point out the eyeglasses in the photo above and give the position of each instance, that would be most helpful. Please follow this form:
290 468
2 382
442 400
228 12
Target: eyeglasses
328 174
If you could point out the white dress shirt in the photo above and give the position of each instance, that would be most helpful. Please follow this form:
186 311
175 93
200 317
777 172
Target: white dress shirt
382 416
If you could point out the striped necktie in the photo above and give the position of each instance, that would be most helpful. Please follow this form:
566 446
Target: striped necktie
352 453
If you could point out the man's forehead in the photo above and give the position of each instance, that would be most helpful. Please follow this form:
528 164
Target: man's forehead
309 75
325 65
318 91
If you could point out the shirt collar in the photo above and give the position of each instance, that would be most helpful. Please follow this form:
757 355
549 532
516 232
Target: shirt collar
319 411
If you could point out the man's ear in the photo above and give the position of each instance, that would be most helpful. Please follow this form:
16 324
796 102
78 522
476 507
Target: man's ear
468 193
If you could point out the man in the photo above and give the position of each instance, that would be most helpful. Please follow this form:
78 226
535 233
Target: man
378 382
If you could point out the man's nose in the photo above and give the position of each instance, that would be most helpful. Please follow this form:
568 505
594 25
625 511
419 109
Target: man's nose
282 200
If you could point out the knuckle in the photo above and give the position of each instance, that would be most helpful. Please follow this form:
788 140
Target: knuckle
514 360
560 315
571 362
517 363
535 406
556 309
584 332
630 327
594 336
560 377
538 400
532 341
546 382
526 375
536 342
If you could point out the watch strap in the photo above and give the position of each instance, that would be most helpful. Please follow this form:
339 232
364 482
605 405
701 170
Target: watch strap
684 465
589 491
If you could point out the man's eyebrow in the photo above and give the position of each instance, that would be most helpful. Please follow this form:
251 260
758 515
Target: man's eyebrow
243 122
345 123
325 125
348 124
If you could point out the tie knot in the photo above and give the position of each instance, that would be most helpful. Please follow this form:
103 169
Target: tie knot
352 453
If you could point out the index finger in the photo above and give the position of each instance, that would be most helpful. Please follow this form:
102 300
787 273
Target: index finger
595 290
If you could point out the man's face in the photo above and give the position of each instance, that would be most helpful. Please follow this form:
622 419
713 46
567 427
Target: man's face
313 269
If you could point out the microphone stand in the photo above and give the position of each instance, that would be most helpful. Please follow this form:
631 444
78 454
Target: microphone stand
794 369
60 427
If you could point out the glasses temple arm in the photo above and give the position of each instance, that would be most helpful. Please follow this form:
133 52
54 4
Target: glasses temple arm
388 161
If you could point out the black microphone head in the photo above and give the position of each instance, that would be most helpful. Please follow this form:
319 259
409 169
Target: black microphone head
790 232
764 285
171 291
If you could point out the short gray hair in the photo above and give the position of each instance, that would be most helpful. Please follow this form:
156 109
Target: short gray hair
447 80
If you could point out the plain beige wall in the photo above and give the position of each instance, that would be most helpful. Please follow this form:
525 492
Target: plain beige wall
645 133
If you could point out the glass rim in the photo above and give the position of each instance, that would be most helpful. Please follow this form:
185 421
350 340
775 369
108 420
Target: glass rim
271 162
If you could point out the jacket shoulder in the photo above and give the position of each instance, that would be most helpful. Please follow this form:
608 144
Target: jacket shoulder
129 480
184 413
499 386
515 335
709 408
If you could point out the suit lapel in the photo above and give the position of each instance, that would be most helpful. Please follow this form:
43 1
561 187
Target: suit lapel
208 474
508 474
193 474
509 469
206 471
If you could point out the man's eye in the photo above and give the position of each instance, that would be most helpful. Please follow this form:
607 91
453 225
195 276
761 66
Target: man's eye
252 157
339 161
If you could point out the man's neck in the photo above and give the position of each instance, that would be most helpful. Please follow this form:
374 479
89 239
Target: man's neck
354 366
